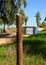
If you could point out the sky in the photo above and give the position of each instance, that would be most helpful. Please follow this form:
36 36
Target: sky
33 6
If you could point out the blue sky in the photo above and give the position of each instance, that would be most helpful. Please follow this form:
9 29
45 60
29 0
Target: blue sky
33 6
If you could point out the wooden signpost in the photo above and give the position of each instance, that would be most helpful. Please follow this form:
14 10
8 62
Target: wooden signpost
28 31
19 38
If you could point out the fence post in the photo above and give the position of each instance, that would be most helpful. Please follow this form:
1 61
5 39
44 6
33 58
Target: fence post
19 38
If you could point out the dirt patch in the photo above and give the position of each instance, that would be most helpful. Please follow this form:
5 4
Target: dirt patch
40 29
7 37
5 40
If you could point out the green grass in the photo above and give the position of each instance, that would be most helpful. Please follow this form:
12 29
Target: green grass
34 51
8 54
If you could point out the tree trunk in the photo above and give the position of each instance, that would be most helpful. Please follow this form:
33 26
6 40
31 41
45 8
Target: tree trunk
4 27
25 23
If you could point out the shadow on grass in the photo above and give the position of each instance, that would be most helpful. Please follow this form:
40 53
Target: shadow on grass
35 44
35 47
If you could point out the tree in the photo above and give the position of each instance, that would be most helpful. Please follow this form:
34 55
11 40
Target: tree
45 19
38 18
8 10
24 17
43 24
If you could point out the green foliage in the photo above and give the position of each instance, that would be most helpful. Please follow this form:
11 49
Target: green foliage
43 24
10 9
24 17
45 19
38 18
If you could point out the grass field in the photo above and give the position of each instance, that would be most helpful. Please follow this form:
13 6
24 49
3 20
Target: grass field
34 51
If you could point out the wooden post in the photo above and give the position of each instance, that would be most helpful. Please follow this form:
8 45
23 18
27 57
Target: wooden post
19 38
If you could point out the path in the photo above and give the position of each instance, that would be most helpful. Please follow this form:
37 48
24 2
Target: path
7 37
40 29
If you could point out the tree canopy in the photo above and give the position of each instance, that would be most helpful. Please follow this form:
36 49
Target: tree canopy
9 8
38 18
45 19
24 17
